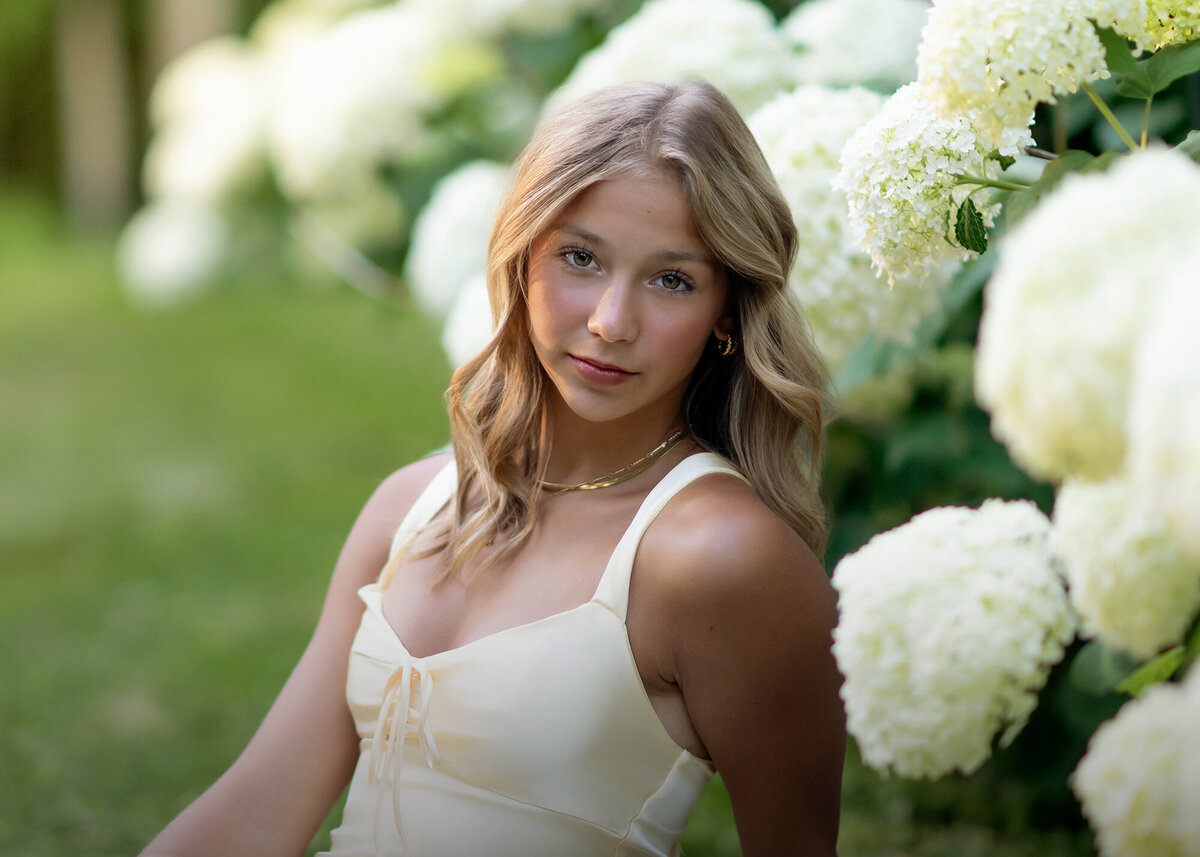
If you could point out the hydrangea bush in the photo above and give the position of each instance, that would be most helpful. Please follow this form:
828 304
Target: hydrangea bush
1132 583
1086 363
999 59
734 44
802 133
450 238
1164 412
1061 320
949 625
906 172
1139 780
869 43
208 112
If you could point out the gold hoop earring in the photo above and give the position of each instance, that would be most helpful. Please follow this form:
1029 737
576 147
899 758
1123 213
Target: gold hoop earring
729 346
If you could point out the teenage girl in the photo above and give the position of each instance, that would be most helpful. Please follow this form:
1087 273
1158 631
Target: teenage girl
546 641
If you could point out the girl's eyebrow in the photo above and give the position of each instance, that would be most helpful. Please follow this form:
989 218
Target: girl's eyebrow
585 235
663 255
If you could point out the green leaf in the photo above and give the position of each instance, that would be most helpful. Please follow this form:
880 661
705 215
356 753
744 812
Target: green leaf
1155 670
1097 669
1191 146
1170 64
1020 203
969 230
1005 161
1133 81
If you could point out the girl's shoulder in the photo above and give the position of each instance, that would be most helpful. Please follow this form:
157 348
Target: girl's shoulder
716 543
400 490
381 516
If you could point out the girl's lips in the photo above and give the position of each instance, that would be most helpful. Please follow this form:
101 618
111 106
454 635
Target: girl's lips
603 374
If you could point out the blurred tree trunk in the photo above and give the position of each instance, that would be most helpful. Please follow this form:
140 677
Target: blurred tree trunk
94 76
173 26
95 123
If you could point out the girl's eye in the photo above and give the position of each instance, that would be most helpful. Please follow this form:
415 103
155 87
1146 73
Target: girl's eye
578 258
674 281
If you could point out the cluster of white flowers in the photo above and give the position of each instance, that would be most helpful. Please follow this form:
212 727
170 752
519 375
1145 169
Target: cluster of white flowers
1164 408
358 95
287 25
450 237
1139 779
998 59
1168 22
1132 585
900 173
867 42
469 325
949 625
1060 319
733 44
802 134
208 109
171 249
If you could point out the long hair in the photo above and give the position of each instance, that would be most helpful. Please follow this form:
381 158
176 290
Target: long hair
761 408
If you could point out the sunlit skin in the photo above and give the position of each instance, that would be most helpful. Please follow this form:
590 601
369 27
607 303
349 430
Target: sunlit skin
623 299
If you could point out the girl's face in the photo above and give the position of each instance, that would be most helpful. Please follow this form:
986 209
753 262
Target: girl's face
623 298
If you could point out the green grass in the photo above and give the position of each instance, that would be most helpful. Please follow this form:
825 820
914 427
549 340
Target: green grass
174 488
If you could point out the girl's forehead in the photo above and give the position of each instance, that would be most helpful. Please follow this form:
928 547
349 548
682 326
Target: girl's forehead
652 198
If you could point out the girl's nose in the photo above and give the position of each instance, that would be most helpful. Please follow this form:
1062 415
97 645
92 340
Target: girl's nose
614 318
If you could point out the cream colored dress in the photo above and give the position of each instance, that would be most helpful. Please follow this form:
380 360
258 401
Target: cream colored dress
534 741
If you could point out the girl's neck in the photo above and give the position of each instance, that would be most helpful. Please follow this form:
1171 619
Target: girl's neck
579 450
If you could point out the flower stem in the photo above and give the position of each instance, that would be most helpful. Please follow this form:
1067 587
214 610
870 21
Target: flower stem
1034 152
1109 117
1146 120
967 178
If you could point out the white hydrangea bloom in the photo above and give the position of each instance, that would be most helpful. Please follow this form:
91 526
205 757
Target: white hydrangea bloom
949 625
1001 58
171 249
802 134
867 42
469 324
208 109
900 175
733 44
1168 22
1139 779
450 237
1069 298
1164 408
357 95
1130 582
288 25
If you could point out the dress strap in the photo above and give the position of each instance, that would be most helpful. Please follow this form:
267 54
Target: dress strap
614 585
428 503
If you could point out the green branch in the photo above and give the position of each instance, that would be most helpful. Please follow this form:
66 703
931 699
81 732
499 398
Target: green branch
982 181
1110 118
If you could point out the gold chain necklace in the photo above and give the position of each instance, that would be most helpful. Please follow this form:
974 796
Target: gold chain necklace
618 476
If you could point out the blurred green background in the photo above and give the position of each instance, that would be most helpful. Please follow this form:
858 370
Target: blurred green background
175 486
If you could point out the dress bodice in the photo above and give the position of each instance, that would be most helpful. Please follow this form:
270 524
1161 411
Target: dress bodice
535 740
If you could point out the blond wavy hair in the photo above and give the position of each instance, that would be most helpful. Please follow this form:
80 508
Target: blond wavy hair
761 408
